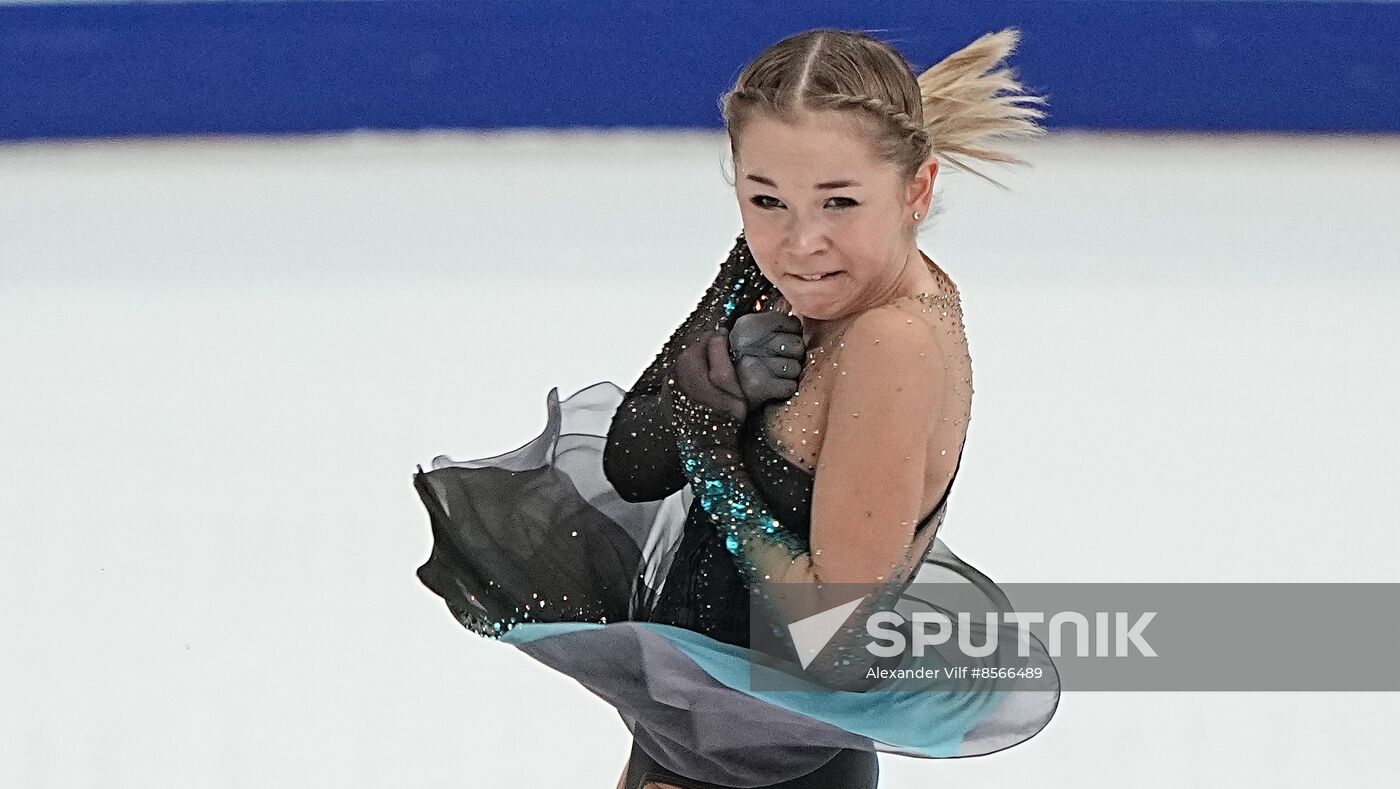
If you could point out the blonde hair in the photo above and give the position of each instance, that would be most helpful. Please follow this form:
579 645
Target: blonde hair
956 110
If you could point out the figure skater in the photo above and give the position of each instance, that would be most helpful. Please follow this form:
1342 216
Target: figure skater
802 428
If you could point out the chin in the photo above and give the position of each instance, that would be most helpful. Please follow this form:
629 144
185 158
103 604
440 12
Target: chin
817 311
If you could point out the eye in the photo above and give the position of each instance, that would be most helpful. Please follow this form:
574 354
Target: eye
762 202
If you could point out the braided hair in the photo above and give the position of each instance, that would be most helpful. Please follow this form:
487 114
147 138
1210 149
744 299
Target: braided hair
955 111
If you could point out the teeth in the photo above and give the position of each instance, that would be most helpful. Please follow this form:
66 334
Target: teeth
814 277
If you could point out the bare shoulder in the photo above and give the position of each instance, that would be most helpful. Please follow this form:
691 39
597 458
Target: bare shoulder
887 359
889 334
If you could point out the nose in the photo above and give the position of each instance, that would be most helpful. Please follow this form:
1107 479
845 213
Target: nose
806 235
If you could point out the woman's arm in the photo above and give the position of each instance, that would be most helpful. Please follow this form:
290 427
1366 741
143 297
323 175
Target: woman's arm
640 458
868 490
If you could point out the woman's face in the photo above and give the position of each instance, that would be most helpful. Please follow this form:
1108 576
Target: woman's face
815 200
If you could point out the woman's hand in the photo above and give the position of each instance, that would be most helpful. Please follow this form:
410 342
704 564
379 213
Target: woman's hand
767 350
706 376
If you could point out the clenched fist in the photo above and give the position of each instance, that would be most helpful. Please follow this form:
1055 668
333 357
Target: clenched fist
767 351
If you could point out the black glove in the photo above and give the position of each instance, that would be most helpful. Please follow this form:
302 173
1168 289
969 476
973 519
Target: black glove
705 377
767 351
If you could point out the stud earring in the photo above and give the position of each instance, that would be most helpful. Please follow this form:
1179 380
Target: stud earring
916 216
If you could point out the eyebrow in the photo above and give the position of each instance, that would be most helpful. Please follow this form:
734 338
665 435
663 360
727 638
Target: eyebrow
842 184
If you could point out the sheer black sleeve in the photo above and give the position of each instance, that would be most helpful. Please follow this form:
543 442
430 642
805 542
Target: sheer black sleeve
641 459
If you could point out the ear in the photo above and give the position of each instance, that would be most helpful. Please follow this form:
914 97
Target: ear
920 192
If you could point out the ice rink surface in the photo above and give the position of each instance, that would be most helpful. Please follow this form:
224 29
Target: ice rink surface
222 360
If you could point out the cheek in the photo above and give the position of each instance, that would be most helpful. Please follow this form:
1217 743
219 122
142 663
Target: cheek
868 238
762 238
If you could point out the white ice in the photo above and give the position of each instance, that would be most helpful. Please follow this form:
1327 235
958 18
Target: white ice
221 360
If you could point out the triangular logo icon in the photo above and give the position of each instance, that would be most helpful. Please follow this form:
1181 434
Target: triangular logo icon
811 634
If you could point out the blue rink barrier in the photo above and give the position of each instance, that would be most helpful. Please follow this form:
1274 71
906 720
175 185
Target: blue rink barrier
104 70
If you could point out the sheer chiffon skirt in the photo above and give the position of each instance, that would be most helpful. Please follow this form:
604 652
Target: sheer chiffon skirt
536 548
